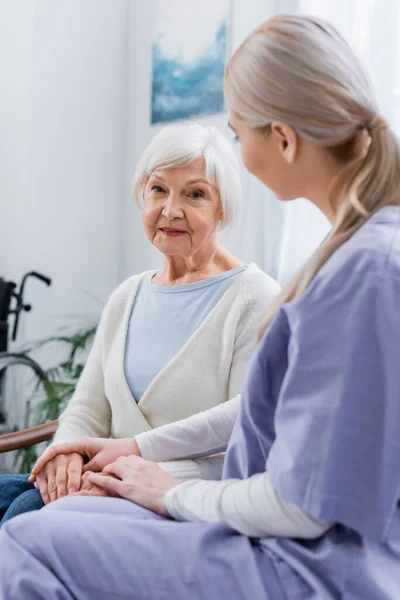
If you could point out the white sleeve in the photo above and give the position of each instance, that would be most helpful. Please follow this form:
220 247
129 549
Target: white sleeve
195 468
202 434
250 506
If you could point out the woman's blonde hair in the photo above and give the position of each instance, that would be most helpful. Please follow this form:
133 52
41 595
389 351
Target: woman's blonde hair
301 71
177 146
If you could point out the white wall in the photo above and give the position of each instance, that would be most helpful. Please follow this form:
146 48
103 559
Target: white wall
16 34
62 160
62 153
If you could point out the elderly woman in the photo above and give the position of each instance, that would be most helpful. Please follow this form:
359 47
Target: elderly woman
172 342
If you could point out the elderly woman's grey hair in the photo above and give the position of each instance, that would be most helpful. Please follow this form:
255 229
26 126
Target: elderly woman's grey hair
179 145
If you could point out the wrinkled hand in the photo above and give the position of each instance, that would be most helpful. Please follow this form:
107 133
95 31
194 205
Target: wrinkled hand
138 480
100 451
60 476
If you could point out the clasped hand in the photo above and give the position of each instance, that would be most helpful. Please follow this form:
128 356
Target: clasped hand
121 472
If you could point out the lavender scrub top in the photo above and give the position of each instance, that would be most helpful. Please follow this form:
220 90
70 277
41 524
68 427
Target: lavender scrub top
322 415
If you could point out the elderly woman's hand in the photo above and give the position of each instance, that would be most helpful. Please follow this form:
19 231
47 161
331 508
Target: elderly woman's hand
60 476
138 480
100 451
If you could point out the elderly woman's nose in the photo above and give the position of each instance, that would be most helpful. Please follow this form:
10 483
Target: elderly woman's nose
173 207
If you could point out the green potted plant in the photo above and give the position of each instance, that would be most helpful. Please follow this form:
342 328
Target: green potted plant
50 397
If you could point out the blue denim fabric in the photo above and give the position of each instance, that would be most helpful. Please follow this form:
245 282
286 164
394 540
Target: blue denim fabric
17 496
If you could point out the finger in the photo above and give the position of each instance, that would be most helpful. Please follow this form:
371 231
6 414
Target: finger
33 478
51 474
74 473
42 485
92 465
93 491
119 467
52 452
52 489
61 478
109 468
86 476
115 486
85 484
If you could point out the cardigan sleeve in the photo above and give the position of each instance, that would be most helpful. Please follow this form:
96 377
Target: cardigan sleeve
197 442
202 434
88 412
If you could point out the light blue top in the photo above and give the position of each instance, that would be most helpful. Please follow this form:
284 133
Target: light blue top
163 318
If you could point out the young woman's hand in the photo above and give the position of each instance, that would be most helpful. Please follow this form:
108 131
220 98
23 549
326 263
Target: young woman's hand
138 480
99 451
60 476
88 488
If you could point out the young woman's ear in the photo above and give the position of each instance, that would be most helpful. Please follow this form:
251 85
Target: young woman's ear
287 140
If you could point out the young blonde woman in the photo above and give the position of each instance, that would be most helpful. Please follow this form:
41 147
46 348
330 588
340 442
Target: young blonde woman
309 502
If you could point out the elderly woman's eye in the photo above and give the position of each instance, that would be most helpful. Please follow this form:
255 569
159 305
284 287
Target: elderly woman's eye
197 194
156 188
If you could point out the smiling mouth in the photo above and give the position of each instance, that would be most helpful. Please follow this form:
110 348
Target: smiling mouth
171 232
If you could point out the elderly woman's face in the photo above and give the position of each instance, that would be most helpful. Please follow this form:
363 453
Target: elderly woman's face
181 209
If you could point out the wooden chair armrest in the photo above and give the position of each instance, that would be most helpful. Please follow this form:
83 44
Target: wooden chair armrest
27 437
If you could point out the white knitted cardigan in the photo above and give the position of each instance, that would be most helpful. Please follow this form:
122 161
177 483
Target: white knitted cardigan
208 370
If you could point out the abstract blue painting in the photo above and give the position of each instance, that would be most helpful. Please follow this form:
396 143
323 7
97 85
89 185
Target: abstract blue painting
189 55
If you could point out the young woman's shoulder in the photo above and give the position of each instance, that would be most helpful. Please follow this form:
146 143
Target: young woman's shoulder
369 262
374 248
